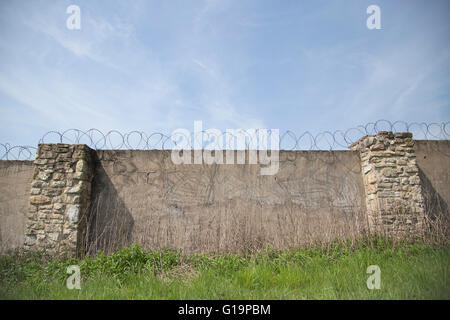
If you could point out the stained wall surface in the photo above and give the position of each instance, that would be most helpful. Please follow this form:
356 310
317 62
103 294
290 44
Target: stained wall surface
142 197
15 181
316 195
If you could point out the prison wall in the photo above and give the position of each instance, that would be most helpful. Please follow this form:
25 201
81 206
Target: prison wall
73 199
15 181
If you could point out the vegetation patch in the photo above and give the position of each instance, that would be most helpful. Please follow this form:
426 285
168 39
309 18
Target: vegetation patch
331 271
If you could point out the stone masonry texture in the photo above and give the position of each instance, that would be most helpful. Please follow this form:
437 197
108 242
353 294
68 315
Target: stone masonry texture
394 196
59 199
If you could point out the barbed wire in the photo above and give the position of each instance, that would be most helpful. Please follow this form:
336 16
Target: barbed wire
8 152
209 139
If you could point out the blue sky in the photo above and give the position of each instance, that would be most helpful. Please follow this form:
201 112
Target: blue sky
308 65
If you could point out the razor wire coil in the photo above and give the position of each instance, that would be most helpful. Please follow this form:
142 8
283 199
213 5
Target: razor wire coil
287 140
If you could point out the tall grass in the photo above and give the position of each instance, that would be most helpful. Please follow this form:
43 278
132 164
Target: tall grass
333 271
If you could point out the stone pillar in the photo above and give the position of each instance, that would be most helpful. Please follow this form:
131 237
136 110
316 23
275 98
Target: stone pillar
59 199
394 197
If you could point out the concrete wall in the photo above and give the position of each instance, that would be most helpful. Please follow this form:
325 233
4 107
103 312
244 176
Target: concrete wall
15 180
433 159
142 197
316 195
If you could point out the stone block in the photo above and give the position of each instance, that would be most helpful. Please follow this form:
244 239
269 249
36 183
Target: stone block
44 176
38 200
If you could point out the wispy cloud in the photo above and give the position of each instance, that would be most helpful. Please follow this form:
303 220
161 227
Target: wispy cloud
158 66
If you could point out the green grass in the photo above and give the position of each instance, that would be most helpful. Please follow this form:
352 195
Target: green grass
334 271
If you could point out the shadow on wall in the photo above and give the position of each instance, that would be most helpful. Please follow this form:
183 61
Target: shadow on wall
436 208
110 223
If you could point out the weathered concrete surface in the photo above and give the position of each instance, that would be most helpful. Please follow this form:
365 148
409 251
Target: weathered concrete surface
15 180
142 197
433 160
394 198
